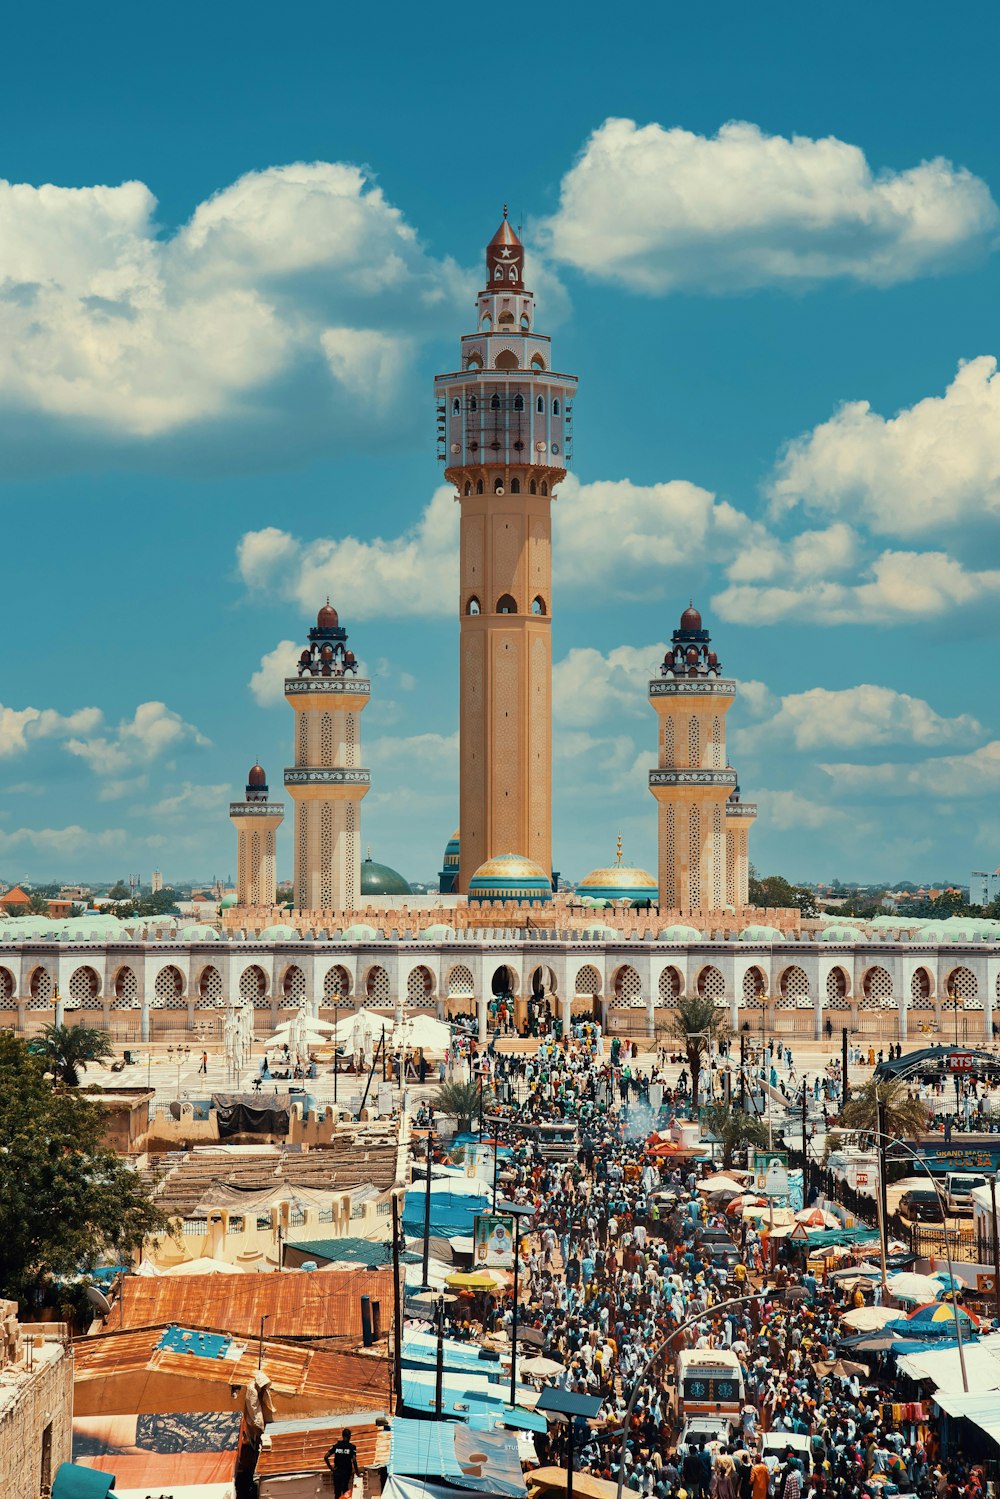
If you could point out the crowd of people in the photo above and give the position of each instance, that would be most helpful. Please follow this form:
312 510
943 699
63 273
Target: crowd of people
623 1270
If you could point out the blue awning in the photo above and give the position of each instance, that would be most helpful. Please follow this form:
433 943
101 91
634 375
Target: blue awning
74 1482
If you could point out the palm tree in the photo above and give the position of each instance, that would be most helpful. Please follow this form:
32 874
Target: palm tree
463 1101
904 1116
69 1048
37 905
696 1021
733 1127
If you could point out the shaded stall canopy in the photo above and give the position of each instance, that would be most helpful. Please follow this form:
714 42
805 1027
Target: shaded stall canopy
934 1061
252 1113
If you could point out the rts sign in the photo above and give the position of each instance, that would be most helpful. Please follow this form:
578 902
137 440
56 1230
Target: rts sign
960 1061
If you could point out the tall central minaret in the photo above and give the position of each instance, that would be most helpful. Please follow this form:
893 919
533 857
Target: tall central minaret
504 430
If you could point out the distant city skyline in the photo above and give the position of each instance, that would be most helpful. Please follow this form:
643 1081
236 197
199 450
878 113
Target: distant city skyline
767 249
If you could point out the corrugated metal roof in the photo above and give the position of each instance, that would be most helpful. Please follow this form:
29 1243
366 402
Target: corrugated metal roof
317 1304
363 1251
348 1381
303 1451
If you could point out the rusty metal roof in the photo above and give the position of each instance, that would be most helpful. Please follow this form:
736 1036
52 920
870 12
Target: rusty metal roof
297 1304
348 1381
299 1446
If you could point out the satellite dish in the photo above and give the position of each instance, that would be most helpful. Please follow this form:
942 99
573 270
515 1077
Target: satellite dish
99 1301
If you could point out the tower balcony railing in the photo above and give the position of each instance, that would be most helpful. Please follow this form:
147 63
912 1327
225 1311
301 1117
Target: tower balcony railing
741 809
326 775
352 686
689 776
681 686
256 809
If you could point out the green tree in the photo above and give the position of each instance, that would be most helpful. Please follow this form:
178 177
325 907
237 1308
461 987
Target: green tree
905 1116
119 891
774 890
66 1200
461 1100
66 1049
37 904
733 1127
696 1022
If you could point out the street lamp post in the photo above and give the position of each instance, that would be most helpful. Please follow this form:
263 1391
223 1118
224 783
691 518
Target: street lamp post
179 1054
996 1247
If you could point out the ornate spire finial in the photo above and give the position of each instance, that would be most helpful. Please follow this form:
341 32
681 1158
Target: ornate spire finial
505 210
619 850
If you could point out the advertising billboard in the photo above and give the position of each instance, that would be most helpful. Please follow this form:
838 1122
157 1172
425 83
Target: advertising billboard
493 1241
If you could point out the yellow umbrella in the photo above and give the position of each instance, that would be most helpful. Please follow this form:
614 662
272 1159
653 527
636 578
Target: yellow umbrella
472 1280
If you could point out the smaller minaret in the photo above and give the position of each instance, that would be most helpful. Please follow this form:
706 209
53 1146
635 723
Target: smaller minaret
740 817
256 821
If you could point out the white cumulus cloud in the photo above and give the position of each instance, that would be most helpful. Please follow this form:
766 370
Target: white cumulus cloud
154 730
285 293
662 209
932 465
19 726
943 776
590 688
268 682
853 717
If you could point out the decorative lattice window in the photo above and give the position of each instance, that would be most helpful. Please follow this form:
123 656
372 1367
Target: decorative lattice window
302 869
732 847
41 989
669 751
920 991
694 743
794 989
670 986
351 823
717 743
460 983
85 989
419 986
963 990
717 850
628 984
241 872
6 986
293 985
326 855
668 897
302 742
877 990
836 990
350 739
253 984
336 984
126 990
326 739
753 988
169 986
588 981
377 986
255 891
694 859
711 985
210 986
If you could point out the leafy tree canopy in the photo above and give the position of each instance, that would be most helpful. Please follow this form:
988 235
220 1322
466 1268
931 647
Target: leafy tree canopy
733 1128
696 1021
66 1200
905 1116
66 1050
775 890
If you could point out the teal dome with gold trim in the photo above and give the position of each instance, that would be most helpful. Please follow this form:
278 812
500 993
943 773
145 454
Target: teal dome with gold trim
619 882
511 877
448 875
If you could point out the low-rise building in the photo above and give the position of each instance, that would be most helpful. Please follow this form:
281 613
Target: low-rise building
36 1403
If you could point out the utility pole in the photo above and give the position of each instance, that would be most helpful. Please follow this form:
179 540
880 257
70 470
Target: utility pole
883 1195
397 1318
427 1214
843 1065
743 1071
805 1161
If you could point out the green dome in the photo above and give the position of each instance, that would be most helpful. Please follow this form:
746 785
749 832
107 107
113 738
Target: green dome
761 934
227 902
360 932
839 933
679 933
436 932
279 933
199 933
379 879
603 934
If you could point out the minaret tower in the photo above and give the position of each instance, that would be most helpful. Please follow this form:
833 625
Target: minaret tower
694 781
256 821
327 782
504 433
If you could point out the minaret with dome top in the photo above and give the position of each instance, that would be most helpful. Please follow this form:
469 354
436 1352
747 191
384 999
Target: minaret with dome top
256 821
703 825
504 422
327 781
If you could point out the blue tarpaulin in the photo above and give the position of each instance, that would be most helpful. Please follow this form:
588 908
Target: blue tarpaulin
74 1482
451 1215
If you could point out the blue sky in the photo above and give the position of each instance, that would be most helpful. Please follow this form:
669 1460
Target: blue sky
235 245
